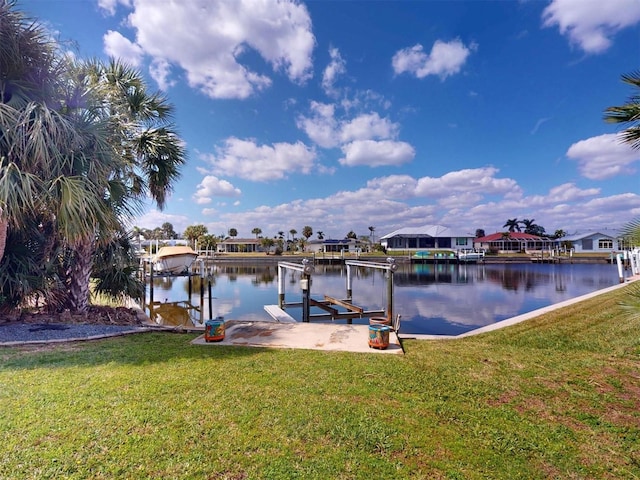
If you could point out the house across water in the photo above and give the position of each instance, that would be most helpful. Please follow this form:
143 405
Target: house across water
434 237
426 237
505 242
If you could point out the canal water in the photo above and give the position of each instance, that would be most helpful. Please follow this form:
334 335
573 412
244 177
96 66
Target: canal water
440 299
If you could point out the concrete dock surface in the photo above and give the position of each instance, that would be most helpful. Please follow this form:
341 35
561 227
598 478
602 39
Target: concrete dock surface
312 336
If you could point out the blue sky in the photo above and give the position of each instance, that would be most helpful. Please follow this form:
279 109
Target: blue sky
342 115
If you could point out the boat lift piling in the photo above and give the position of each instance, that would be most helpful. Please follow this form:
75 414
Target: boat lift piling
306 268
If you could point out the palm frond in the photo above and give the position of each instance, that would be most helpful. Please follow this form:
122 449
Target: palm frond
631 231
628 113
20 193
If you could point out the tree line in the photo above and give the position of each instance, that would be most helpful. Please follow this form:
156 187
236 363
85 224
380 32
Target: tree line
199 234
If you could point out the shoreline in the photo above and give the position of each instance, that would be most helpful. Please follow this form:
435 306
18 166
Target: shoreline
401 259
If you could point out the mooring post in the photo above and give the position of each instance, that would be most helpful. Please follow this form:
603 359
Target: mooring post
620 269
281 279
392 268
210 302
349 283
305 283
306 296
151 284
632 263
389 295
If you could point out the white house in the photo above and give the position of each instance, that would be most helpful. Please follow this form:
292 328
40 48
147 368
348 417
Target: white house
594 242
239 245
350 245
425 237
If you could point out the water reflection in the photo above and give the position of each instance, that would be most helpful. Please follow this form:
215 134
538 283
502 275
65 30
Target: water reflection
435 299
178 314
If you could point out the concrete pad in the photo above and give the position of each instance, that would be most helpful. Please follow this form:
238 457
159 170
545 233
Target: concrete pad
310 336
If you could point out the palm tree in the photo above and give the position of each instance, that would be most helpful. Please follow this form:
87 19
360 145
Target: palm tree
80 146
54 162
528 225
145 152
512 224
233 232
194 232
320 235
371 230
29 73
307 231
629 113
168 231
256 231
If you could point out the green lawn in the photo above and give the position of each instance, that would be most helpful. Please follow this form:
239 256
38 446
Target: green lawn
554 397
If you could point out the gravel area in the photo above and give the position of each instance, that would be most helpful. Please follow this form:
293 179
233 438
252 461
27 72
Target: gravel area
12 333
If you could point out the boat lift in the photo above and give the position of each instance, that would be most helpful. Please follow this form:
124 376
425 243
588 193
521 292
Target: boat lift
329 304
197 269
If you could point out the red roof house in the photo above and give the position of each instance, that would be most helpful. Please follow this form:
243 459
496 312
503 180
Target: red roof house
514 242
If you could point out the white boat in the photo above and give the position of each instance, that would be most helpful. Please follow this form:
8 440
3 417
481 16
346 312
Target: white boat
174 260
470 255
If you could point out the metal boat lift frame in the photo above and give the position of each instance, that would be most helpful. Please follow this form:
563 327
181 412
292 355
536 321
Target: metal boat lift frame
329 303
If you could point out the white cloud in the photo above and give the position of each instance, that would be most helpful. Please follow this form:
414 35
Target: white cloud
117 46
477 180
538 125
248 160
445 59
212 186
604 156
159 71
562 195
366 127
358 137
590 24
336 67
395 186
208 40
321 127
156 218
374 153
109 6
399 200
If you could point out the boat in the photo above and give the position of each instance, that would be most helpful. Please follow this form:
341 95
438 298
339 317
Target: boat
440 254
470 255
174 260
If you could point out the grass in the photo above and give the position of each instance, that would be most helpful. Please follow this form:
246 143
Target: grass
554 397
